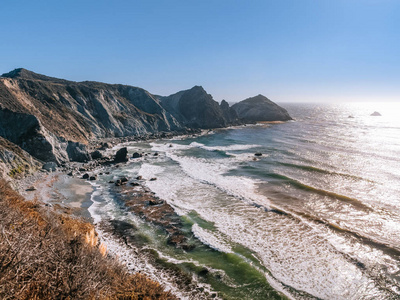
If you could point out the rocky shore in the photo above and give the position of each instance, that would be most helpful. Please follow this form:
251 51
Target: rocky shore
67 190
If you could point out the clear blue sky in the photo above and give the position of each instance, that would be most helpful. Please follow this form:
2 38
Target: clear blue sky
288 50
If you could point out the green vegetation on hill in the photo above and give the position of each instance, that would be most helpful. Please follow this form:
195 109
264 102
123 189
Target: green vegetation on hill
46 255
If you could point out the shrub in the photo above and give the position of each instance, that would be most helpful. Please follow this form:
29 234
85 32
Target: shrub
45 255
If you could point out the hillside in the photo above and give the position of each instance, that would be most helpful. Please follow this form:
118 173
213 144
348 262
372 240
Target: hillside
45 255
54 119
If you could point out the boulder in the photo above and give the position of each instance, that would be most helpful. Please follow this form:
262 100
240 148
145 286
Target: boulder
77 152
96 154
136 155
50 166
93 177
121 155
85 176
258 154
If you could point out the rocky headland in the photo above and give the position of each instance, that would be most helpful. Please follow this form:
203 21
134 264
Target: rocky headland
49 124
45 119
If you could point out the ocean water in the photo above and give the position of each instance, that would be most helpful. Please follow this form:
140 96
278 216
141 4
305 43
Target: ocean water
317 216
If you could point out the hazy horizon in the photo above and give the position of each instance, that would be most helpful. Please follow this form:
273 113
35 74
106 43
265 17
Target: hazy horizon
291 51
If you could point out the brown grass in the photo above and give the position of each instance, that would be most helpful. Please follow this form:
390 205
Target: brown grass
45 255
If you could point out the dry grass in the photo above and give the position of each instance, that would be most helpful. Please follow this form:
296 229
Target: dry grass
44 255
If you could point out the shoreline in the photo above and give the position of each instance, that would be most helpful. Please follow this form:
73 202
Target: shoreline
51 188
115 234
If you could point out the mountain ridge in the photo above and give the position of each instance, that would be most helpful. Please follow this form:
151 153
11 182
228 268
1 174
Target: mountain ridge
47 117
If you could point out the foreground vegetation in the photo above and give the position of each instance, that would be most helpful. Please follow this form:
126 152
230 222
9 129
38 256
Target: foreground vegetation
46 255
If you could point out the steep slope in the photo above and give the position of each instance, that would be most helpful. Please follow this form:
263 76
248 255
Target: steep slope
42 114
196 109
54 119
14 161
260 108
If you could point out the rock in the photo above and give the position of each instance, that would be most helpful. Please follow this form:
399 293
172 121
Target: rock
260 108
134 184
124 179
155 154
153 179
155 202
106 146
85 176
71 173
136 155
93 177
96 155
121 155
118 182
111 181
82 169
77 152
31 188
139 178
50 166
203 272
376 114
195 108
258 154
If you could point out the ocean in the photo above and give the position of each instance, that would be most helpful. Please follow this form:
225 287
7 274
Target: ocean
316 216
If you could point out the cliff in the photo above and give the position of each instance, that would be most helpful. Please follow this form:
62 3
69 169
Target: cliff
260 108
54 119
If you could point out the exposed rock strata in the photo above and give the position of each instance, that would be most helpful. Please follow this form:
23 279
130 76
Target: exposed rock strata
54 119
15 162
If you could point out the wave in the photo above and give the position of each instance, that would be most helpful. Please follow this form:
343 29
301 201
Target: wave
211 239
357 203
321 171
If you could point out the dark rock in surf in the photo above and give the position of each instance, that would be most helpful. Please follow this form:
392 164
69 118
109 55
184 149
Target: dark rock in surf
136 155
258 154
85 176
121 155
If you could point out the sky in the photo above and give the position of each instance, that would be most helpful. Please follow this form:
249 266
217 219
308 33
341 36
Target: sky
287 50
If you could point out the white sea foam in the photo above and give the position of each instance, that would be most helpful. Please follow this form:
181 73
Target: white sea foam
234 147
296 254
211 239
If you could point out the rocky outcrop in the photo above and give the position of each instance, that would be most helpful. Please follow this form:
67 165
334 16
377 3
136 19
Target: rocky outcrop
195 108
229 113
15 162
121 155
260 108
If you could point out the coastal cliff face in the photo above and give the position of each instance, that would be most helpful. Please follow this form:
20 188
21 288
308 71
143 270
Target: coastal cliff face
54 119
195 108
14 161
